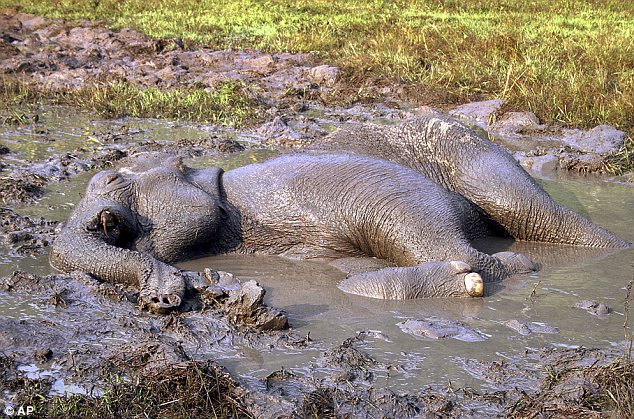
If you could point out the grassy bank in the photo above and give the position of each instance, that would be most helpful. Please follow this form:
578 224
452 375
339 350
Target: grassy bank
228 104
568 61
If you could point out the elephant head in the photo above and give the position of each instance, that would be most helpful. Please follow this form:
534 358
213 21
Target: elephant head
134 222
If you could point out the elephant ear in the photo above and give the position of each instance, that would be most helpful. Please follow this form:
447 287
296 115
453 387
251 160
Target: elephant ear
107 182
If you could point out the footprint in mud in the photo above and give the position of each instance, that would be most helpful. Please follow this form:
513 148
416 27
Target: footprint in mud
594 308
439 328
528 328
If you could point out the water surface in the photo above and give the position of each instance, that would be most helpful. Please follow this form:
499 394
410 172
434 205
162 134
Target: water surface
307 289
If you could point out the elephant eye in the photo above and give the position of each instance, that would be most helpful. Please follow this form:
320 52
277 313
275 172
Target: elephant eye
111 178
108 219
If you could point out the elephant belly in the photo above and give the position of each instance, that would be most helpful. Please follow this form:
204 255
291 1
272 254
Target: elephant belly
347 205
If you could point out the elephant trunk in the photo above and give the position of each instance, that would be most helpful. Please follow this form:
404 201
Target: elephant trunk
161 286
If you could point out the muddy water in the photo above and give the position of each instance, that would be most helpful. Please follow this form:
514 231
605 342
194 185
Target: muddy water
307 289
61 129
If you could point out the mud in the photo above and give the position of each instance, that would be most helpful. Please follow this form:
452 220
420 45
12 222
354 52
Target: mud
80 326
544 148
439 328
24 235
593 307
85 331
73 333
527 328
67 55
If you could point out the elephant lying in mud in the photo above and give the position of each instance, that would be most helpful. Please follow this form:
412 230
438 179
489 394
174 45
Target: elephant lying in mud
413 195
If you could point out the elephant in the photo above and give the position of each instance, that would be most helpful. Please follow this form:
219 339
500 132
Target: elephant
405 201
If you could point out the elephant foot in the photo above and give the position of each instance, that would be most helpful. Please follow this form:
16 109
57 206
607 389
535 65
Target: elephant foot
431 279
474 285
516 263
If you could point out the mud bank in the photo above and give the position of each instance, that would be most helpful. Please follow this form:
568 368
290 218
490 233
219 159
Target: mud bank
57 55
86 349
80 334
542 148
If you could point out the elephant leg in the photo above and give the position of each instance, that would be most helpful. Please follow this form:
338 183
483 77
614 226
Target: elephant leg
454 156
370 278
491 178
495 267
499 185
431 279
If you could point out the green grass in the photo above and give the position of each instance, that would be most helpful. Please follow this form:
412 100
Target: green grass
568 61
227 104
623 161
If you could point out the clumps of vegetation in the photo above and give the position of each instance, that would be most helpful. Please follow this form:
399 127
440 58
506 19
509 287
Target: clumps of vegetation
319 403
617 383
623 161
586 391
568 61
21 187
229 103
18 118
582 392
184 390
15 97
14 93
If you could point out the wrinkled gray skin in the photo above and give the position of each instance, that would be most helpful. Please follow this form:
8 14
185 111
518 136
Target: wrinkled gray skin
413 196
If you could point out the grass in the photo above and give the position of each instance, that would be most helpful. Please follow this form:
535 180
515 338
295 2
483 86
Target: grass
187 390
228 103
616 382
623 161
568 61
587 392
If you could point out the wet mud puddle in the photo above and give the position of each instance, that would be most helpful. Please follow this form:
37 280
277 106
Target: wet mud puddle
575 300
437 341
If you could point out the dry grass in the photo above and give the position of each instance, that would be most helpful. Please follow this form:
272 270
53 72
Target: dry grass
186 390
